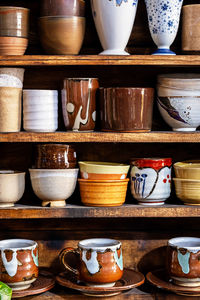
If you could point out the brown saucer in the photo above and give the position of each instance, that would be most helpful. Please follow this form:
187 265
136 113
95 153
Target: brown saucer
160 279
129 280
44 283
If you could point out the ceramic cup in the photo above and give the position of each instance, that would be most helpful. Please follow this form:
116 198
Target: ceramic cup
151 180
62 8
79 103
18 263
100 261
183 261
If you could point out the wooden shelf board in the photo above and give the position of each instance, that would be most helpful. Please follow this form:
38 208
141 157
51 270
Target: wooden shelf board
78 211
103 137
134 60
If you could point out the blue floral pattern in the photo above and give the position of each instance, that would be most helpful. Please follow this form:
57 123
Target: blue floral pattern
119 2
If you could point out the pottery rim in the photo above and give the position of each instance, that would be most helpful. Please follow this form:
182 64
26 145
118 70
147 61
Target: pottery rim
14 241
174 242
11 172
106 181
14 7
104 243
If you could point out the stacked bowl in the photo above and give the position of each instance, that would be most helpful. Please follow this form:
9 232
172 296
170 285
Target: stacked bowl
187 181
62 26
55 174
102 183
13 30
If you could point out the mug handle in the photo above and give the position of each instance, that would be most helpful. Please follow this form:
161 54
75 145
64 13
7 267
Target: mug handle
62 256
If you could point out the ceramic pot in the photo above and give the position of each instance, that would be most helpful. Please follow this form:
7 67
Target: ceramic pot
13 45
62 35
114 21
53 186
12 77
18 263
55 156
100 261
163 18
183 261
79 103
188 190
187 169
62 8
151 180
12 186
126 109
103 192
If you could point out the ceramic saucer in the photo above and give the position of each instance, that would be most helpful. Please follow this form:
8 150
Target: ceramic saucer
129 280
44 283
160 279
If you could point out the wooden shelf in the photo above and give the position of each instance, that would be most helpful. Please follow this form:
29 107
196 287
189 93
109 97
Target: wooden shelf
66 60
102 137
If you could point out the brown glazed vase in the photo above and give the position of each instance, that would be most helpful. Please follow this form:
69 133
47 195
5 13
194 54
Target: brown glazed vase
79 103
62 8
126 109
55 156
18 263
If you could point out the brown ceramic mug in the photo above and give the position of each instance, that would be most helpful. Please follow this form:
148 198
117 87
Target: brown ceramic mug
100 261
18 263
62 8
126 109
79 103
55 156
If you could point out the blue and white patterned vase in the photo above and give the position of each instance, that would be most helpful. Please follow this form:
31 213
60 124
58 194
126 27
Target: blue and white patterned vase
163 18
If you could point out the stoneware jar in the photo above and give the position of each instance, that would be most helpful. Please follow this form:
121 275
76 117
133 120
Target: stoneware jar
79 103
100 261
151 180
183 261
114 21
163 18
18 263
62 8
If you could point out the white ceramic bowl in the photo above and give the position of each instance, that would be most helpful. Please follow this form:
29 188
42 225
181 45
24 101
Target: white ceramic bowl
53 186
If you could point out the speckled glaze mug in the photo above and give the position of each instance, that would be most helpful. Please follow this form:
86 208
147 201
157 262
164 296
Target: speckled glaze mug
100 261
18 263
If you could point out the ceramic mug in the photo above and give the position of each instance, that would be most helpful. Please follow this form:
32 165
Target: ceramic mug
183 254
18 263
151 180
100 261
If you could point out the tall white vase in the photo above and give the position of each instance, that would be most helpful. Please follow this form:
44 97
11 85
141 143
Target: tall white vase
163 18
114 21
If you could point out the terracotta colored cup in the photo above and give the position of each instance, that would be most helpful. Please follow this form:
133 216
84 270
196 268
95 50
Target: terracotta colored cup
13 45
183 261
126 109
55 156
62 35
100 261
62 8
18 263
79 103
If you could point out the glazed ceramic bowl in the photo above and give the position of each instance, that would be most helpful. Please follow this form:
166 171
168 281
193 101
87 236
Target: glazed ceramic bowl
188 190
55 156
53 186
126 109
103 170
62 8
11 77
12 186
13 45
187 170
14 21
62 35
103 193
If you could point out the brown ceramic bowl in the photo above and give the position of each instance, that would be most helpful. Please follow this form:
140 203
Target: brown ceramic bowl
55 156
13 45
126 109
62 8
14 21
62 35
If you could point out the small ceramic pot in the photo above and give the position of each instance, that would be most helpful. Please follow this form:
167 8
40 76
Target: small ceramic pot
100 261
13 45
18 263
53 186
188 190
187 170
12 186
114 21
183 261
151 180
126 109
79 103
12 77
103 192
163 18
62 35
62 8
103 170
55 156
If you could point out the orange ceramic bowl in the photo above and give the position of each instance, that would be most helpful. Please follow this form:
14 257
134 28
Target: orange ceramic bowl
13 45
